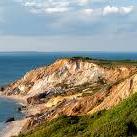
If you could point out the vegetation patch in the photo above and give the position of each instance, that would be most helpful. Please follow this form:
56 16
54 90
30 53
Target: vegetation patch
107 63
121 121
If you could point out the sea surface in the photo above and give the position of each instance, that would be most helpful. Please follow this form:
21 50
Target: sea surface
8 109
14 65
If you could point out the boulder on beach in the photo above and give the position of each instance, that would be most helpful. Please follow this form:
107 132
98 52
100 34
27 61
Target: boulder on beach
10 119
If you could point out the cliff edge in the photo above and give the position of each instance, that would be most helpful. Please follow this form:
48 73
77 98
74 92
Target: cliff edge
73 87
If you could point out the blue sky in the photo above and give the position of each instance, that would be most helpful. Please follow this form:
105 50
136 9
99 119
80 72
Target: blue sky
68 25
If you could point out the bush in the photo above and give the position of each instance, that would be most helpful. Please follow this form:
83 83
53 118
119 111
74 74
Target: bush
121 121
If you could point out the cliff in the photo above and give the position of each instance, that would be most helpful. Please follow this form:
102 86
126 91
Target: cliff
73 87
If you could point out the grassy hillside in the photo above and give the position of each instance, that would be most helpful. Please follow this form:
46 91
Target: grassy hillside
120 121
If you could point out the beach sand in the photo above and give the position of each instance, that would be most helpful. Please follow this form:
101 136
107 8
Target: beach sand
13 128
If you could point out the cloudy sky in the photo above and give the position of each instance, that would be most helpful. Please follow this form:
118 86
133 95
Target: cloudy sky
68 25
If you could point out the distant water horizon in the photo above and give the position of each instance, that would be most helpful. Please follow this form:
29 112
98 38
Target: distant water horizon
13 65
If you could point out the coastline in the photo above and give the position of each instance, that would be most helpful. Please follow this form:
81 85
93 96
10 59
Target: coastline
20 100
15 127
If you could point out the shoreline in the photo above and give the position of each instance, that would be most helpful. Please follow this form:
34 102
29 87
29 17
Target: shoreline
16 98
15 127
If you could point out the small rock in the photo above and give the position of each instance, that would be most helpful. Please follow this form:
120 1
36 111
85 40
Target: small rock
19 109
10 120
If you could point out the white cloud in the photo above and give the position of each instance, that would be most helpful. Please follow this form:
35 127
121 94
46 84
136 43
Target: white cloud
108 10
88 11
66 17
83 2
60 6
46 6
117 10
126 10
53 6
56 10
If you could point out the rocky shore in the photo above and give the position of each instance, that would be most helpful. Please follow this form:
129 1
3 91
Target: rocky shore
12 127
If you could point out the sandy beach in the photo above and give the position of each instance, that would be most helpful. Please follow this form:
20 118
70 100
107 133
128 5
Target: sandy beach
15 127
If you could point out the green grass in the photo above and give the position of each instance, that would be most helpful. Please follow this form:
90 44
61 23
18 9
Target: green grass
105 61
121 121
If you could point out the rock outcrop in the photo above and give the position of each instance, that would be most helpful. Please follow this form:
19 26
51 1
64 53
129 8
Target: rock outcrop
74 87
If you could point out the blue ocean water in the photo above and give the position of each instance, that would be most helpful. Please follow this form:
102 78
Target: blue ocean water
8 109
16 64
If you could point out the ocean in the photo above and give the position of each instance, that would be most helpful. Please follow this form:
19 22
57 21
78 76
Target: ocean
14 65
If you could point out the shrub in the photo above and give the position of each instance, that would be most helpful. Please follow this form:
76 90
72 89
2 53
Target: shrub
121 121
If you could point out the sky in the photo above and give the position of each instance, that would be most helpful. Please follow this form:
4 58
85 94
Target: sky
68 25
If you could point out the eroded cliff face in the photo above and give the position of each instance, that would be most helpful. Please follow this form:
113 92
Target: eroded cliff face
73 87
118 93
